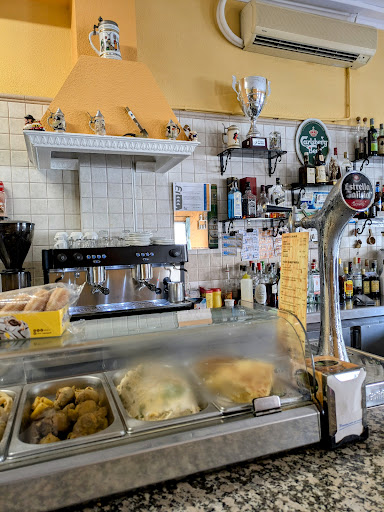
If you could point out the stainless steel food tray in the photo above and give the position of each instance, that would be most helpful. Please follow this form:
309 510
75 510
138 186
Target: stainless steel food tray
134 426
19 448
15 393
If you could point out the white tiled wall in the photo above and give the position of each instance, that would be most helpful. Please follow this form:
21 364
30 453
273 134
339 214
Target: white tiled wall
100 195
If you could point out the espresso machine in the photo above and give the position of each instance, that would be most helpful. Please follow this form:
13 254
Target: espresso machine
119 280
15 240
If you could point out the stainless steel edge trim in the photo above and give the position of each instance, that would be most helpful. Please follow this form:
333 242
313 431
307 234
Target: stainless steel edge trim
15 393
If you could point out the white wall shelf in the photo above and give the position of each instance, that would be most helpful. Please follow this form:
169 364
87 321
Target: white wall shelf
47 149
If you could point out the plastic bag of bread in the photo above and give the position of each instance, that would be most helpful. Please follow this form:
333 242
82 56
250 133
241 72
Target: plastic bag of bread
36 312
48 297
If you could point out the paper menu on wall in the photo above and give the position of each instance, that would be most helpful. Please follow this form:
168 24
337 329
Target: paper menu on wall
249 245
294 275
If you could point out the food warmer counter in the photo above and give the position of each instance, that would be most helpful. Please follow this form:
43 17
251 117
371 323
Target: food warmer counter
126 402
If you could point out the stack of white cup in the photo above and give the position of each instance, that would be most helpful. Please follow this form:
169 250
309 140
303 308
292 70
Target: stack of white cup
61 240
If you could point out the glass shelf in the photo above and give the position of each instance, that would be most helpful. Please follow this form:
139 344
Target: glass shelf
266 154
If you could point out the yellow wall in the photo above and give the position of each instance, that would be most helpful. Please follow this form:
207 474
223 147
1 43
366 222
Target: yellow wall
35 47
188 56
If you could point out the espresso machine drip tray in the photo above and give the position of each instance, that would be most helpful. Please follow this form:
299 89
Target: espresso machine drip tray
126 308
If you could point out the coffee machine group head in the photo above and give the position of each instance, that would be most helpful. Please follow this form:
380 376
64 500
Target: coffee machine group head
15 241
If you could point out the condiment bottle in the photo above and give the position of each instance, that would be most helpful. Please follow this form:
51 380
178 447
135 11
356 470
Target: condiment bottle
216 297
209 298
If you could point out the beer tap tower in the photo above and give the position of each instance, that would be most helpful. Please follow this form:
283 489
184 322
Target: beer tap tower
352 193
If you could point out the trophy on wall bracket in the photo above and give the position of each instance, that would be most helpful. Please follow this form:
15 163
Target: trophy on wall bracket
252 93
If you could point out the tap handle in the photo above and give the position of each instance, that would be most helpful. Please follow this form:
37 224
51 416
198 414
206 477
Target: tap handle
102 289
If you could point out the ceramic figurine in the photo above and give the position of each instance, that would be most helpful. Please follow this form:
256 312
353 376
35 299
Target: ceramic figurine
108 32
173 131
231 136
58 121
32 124
191 135
97 123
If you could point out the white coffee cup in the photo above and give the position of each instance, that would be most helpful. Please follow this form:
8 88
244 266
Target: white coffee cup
61 244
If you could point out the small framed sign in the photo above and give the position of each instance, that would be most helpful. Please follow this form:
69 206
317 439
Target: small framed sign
309 134
193 197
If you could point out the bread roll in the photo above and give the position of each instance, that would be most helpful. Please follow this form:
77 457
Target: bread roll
16 303
58 299
38 301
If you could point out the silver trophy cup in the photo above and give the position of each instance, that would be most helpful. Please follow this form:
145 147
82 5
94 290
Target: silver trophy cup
252 93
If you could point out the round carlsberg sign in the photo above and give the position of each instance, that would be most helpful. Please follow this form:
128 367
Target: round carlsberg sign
309 134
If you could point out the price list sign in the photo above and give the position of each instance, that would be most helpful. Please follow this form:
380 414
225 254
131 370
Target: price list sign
294 274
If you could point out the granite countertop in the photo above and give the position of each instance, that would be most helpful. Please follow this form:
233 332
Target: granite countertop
350 478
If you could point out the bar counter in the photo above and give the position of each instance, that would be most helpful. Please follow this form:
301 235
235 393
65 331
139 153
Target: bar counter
347 479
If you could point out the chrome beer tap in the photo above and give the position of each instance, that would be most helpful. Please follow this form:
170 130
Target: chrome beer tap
352 193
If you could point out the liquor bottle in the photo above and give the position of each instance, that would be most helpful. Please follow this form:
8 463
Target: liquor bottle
364 140
227 292
378 199
261 289
357 138
357 277
271 287
348 281
334 168
213 229
310 292
366 283
307 172
316 281
234 202
375 282
381 279
262 203
346 165
382 200
3 201
277 194
321 176
372 139
248 202
341 283
380 141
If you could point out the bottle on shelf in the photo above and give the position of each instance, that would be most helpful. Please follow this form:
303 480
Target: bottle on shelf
262 203
248 202
366 283
346 165
372 139
310 291
246 290
3 201
277 194
382 200
234 202
321 175
375 282
271 287
357 277
381 279
227 289
316 281
307 174
378 198
380 141
341 283
348 281
357 138
261 289
364 143
334 168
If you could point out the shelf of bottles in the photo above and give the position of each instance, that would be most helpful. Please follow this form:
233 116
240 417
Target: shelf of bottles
266 154
369 143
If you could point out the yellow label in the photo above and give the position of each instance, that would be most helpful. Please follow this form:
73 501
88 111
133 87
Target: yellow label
366 287
349 287
375 286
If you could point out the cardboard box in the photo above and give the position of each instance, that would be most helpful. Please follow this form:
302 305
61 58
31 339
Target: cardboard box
32 324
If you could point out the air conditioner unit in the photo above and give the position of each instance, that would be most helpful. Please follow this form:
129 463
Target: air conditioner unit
301 36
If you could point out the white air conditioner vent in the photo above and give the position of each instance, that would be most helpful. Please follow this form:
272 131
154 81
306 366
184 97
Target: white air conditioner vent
298 35
291 46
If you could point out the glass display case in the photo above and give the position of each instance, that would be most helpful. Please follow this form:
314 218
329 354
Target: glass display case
149 398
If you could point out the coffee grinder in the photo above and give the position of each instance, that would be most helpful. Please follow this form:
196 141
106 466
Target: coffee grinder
15 240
